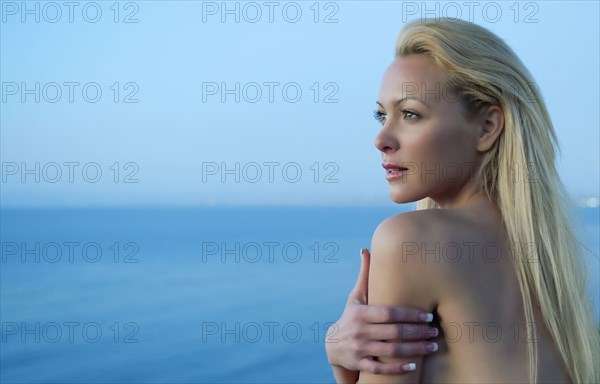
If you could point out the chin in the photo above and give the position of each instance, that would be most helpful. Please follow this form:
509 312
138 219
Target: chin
403 193
403 198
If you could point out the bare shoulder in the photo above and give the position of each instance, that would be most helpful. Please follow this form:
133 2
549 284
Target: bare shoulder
436 242
425 226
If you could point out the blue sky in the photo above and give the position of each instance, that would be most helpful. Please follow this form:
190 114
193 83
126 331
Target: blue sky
308 75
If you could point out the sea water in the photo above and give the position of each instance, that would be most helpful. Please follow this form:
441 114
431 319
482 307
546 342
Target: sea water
216 294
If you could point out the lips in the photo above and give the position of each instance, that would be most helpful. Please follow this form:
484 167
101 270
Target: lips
394 172
393 166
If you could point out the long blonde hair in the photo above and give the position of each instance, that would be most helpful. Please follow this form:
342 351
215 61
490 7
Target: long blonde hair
535 211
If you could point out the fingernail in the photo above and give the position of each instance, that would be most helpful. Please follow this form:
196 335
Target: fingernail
409 367
426 317
431 347
433 332
362 250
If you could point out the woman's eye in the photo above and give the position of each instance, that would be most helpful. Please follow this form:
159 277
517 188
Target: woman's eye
410 115
379 116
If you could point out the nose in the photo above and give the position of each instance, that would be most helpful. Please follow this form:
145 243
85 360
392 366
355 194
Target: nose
386 142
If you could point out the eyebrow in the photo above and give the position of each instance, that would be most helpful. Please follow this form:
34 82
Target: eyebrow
402 100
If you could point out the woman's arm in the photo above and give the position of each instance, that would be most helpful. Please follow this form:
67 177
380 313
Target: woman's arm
395 279
358 334
343 375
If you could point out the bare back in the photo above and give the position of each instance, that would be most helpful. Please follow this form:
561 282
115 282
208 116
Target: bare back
458 264
484 336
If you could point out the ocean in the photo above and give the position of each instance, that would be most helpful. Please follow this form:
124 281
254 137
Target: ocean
216 294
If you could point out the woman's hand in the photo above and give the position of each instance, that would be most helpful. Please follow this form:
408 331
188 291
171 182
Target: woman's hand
355 339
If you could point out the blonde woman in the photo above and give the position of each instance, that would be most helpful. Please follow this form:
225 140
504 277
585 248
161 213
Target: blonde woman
490 250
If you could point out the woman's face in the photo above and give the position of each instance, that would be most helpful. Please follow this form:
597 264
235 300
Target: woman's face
425 131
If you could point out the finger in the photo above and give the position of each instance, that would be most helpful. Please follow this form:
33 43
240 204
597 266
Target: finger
360 291
387 314
400 350
379 368
404 332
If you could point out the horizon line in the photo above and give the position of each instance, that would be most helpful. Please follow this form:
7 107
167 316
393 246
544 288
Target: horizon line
582 202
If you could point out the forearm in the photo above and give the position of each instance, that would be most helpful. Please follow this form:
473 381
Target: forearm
343 375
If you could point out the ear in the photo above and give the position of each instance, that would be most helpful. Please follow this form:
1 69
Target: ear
491 122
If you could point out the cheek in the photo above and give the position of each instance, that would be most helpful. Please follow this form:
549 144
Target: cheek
442 143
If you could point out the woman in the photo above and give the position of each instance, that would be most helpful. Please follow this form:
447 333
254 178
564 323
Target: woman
489 250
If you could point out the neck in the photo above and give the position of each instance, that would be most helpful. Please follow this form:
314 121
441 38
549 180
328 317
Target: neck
470 194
